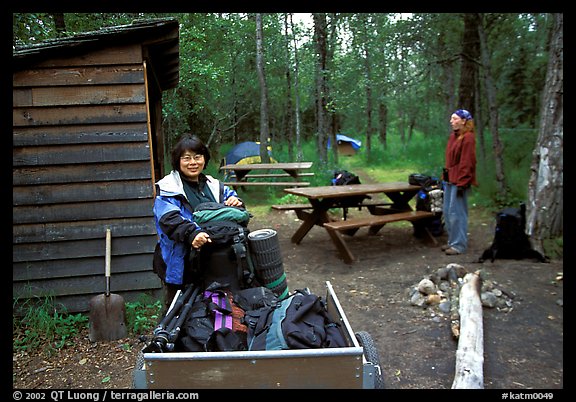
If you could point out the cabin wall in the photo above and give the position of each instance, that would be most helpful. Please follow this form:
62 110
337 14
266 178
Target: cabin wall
81 164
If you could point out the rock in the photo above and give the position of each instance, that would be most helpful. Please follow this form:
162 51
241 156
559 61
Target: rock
560 302
443 273
418 299
426 286
458 269
488 299
433 299
445 306
444 286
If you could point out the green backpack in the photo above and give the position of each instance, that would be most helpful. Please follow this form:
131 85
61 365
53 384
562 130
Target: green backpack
214 211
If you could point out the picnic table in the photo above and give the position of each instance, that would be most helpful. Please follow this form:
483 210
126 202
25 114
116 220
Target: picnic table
323 198
241 174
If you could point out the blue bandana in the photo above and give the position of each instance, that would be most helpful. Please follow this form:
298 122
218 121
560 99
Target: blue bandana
463 114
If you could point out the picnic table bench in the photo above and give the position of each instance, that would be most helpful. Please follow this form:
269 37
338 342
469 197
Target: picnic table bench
371 205
241 173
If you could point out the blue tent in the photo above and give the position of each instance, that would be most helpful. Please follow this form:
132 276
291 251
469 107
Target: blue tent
346 145
244 153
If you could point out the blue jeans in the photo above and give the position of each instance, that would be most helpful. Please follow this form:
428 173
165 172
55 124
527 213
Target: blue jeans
456 217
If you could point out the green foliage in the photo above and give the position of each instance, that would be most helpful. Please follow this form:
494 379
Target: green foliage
422 154
42 325
143 314
554 247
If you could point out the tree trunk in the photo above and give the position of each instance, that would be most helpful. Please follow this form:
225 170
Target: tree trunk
545 188
470 354
320 39
59 24
469 66
382 119
288 112
493 111
330 109
299 154
479 125
364 41
264 123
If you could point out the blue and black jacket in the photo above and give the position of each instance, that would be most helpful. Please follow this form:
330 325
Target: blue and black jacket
175 224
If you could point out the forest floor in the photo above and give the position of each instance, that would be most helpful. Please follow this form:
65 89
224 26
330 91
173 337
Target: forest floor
523 340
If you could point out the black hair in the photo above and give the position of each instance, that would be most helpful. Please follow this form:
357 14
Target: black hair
189 142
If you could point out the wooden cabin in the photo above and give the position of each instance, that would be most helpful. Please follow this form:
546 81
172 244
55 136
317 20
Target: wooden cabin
87 150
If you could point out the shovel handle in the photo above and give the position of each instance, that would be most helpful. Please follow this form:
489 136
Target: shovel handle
108 257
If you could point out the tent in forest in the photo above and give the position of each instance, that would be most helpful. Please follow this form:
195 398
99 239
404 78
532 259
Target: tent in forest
346 145
245 153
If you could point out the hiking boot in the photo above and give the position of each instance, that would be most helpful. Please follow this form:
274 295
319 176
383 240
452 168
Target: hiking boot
452 251
445 247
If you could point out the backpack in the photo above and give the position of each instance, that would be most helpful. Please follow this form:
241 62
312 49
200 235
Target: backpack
214 211
429 198
510 239
300 321
344 178
226 259
213 324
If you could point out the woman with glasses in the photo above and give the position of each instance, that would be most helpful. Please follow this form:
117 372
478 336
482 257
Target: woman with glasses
178 194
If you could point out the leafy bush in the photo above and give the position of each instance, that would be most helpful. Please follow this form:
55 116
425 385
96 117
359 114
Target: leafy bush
143 314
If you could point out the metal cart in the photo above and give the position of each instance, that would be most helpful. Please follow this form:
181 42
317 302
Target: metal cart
355 366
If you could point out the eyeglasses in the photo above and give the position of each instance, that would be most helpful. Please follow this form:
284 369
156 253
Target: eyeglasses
188 158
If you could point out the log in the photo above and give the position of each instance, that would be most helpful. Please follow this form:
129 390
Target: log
455 271
470 352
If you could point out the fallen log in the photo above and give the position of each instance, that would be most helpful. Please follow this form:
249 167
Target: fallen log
470 352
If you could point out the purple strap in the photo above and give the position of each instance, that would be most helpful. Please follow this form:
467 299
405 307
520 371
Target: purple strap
220 319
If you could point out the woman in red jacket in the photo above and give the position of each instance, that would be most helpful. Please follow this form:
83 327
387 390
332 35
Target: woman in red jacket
459 175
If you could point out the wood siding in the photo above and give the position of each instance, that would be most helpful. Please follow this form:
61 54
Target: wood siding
81 164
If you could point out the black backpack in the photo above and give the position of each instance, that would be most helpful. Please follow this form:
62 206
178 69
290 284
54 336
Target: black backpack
300 321
510 239
226 259
210 324
344 178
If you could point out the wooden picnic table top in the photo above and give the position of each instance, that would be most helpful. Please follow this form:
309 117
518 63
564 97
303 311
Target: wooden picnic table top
265 166
351 190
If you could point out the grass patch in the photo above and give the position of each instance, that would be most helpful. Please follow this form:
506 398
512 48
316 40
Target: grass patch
43 325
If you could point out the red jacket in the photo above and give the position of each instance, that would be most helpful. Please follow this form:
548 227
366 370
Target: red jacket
461 159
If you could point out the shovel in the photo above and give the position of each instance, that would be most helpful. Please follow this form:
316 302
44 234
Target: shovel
107 311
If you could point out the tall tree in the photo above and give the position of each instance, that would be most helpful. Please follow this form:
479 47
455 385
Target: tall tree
264 121
321 95
470 56
493 109
545 188
366 43
289 110
299 153
59 23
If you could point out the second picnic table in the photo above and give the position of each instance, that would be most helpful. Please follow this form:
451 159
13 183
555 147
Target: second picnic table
324 198
290 170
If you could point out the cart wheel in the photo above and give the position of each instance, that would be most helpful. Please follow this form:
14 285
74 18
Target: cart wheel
372 356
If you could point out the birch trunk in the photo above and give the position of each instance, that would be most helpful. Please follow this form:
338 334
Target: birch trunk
545 189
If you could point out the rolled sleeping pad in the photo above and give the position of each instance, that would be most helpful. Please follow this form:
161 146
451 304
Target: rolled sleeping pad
267 259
